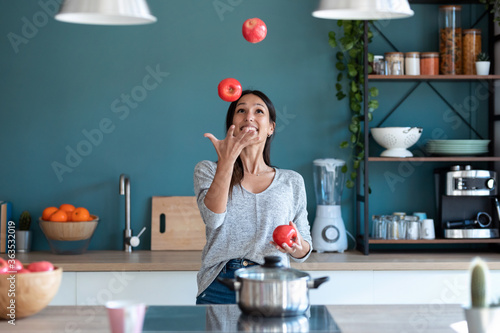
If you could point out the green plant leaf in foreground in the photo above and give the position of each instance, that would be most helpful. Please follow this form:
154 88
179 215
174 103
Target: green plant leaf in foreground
350 65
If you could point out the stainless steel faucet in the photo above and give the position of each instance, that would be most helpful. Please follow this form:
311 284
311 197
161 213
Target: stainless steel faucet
129 241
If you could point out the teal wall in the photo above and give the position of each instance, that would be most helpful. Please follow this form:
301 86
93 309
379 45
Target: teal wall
62 81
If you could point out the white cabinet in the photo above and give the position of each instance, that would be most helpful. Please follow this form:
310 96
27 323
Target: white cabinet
345 287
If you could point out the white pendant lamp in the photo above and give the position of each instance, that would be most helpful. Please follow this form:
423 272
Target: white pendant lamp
363 9
105 12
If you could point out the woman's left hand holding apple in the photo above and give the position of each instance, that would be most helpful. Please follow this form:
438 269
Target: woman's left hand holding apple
299 248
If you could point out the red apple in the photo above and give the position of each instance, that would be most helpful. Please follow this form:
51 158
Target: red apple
16 267
229 90
40 266
284 234
254 30
24 270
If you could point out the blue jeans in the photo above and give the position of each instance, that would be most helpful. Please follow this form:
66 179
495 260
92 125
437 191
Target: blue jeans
219 293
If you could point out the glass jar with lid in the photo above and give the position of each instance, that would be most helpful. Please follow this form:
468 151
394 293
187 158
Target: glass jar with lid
394 63
429 63
471 48
412 63
450 39
378 65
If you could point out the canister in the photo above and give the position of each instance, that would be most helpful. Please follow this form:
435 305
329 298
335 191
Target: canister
412 63
378 65
450 39
394 63
429 63
471 48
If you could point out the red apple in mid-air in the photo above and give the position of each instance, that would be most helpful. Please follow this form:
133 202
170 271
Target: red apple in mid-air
254 30
284 234
229 89
40 266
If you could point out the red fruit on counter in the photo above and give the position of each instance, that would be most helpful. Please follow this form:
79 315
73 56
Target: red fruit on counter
254 30
284 234
229 90
16 266
40 266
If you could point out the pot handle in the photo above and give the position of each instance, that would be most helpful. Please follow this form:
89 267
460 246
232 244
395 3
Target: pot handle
313 284
230 283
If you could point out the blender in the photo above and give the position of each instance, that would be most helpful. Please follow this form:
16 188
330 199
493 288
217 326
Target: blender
328 232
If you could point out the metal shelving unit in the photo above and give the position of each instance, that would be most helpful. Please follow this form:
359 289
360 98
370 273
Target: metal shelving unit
362 194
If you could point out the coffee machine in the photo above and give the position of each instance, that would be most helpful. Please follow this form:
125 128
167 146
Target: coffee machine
467 203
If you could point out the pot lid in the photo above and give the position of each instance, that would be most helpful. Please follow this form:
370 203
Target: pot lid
272 269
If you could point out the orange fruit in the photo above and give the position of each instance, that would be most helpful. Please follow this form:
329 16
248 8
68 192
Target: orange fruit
47 212
68 208
59 216
80 214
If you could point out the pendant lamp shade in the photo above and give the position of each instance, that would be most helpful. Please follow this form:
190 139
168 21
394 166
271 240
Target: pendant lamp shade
105 12
363 9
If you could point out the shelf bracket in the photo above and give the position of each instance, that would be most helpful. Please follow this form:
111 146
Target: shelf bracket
454 110
399 103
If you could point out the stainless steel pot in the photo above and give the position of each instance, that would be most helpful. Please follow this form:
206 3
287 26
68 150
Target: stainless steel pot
272 290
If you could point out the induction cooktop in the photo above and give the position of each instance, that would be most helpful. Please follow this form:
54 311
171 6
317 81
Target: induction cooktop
228 318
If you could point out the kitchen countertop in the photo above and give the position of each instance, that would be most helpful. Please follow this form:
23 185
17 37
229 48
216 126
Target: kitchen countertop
349 318
100 261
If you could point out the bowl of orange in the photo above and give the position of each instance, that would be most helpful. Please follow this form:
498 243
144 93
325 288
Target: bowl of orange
68 229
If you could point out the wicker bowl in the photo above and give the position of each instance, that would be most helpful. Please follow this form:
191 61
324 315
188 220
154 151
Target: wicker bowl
33 292
69 237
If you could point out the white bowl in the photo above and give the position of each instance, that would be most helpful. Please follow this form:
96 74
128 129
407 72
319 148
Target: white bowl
396 140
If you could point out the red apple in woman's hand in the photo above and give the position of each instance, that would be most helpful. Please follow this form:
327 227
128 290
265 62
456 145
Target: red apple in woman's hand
284 234
229 89
254 30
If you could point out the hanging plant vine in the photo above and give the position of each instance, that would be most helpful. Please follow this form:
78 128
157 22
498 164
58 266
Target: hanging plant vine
350 65
493 6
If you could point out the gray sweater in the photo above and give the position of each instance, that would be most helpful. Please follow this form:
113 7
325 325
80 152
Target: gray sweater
245 229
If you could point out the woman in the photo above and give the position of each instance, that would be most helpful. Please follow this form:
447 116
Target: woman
242 199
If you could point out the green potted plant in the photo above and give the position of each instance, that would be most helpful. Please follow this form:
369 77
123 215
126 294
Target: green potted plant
350 83
483 64
482 315
23 233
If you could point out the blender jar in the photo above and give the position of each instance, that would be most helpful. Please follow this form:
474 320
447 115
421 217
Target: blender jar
328 181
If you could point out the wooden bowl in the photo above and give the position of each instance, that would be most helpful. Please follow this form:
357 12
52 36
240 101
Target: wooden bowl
32 292
69 231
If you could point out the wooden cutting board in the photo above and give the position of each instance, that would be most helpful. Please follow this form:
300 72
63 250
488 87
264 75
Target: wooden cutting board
176 224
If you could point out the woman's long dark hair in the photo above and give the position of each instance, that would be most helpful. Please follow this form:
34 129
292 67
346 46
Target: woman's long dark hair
238 165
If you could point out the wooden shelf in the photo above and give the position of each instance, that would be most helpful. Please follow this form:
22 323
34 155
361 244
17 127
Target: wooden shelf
445 2
434 77
435 241
436 159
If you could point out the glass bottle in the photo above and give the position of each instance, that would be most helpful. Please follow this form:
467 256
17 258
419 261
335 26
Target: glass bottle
471 48
450 39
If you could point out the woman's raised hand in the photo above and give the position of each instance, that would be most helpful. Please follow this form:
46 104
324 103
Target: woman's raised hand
230 148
